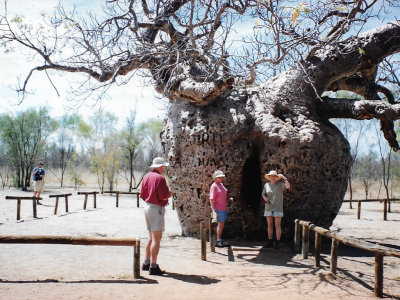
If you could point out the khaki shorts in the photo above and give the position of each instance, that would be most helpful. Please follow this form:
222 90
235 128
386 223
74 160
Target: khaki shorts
154 215
38 186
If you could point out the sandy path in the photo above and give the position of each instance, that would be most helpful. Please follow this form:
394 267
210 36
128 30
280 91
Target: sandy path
98 272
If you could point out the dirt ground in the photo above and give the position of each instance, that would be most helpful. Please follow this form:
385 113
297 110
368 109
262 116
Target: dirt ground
248 272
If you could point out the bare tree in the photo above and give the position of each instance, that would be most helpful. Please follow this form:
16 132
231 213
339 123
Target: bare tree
130 141
227 110
385 159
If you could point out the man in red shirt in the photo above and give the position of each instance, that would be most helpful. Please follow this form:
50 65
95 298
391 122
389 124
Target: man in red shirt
155 193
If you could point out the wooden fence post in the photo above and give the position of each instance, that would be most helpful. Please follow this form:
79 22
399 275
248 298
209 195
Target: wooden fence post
94 200
18 209
34 207
317 251
305 241
378 287
137 200
55 208
297 234
136 259
203 240
334 255
358 209
116 199
85 202
384 209
66 203
211 235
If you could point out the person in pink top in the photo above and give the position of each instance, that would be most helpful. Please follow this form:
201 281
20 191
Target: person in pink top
219 204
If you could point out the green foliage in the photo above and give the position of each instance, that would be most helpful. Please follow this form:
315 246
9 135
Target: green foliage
25 135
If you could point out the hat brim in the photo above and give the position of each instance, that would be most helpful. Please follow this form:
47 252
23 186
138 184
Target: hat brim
267 176
159 165
219 176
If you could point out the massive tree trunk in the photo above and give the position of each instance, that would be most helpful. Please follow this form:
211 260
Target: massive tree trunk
245 133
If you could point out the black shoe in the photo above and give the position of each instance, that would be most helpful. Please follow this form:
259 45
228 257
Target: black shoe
220 244
156 271
268 244
145 267
38 203
277 244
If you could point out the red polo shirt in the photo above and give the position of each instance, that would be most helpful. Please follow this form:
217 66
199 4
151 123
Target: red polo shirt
154 188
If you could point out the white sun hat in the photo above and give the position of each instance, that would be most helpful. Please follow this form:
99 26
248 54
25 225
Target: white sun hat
158 162
272 172
218 173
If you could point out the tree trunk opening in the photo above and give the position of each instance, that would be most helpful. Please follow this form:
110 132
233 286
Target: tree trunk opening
251 182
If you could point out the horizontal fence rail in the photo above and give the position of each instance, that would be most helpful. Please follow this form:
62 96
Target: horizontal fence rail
86 241
19 198
303 228
386 205
117 193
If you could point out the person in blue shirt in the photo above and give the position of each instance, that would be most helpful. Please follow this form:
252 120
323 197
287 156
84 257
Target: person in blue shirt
38 180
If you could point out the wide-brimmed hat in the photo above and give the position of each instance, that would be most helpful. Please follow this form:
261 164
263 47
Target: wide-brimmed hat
272 172
158 162
218 173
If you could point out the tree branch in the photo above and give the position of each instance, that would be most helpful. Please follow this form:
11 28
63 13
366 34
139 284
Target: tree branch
364 110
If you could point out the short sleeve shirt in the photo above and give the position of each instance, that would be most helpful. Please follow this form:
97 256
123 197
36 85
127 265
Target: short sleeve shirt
218 193
275 194
37 175
154 189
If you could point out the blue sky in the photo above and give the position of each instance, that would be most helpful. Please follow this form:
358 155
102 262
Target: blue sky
120 100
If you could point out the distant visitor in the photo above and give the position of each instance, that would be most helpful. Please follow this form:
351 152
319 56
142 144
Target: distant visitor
38 180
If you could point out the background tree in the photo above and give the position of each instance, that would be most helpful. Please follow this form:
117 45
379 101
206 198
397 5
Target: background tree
226 110
130 141
67 126
367 169
25 135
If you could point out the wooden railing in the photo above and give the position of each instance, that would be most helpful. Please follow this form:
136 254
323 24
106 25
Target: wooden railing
385 202
88 241
303 228
86 198
65 196
19 198
117 193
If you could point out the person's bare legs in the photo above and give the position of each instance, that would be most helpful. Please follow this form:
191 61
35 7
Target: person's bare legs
155 245
270 221
37 195
148 246
220 229
278 228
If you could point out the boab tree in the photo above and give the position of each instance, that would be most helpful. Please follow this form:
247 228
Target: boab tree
242 103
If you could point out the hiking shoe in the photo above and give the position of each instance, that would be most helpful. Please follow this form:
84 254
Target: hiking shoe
156 271
268 244
145 267
277 244
220 244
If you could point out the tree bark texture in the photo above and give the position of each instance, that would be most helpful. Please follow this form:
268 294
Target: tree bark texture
246 133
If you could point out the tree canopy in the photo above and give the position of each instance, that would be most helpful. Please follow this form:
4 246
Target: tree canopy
195 50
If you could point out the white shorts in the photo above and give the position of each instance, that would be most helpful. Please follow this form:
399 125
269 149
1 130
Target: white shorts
154 215
38 186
